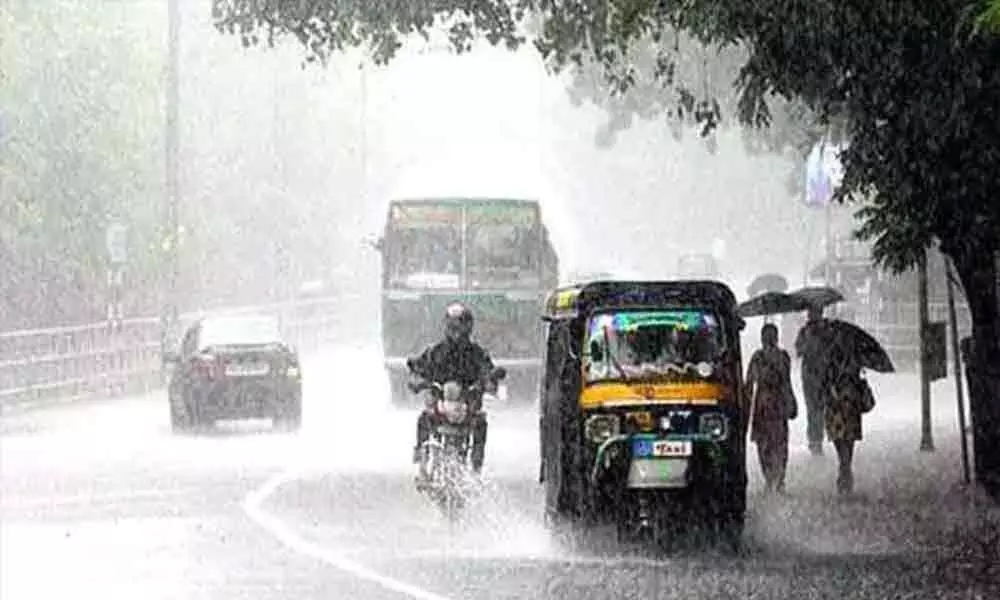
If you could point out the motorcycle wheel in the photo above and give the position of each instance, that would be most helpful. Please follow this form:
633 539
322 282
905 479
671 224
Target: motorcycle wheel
451 500
450 505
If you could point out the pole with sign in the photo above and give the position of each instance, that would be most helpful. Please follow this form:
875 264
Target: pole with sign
116 243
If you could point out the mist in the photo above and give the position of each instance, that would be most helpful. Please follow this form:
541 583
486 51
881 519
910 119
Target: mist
284 168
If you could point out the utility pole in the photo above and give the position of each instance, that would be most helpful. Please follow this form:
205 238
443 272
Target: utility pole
926 435
278 201
171 242
363 67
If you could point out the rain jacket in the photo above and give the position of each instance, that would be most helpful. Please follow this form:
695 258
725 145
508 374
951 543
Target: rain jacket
463 361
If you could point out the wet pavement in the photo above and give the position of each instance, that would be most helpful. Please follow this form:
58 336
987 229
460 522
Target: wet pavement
101 499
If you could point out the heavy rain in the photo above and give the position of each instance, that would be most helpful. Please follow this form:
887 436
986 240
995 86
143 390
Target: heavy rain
241 243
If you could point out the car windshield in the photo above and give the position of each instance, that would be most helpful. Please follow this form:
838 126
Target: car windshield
229 331
633 344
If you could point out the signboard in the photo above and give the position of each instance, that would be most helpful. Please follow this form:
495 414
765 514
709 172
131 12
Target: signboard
824 173
511 213
117 243
426 214
450 213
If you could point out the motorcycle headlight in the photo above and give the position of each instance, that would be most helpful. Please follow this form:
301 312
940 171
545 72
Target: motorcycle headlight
455 411
713 425
599 428
451 391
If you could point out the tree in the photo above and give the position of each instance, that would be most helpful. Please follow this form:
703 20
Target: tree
990 17
911 84
75 151
698 83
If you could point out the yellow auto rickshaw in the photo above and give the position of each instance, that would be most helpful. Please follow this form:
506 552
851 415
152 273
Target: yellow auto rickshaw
642 418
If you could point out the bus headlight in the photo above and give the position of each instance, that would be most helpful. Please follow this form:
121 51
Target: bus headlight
599 428
713 425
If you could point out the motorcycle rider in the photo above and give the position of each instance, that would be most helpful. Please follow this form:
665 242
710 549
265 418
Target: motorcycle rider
456 358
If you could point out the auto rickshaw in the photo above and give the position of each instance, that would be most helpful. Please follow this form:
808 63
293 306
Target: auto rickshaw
642 417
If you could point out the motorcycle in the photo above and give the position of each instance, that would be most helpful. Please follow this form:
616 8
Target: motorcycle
444 457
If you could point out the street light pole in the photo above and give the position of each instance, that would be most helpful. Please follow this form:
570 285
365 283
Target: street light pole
171 242
279 289
364 129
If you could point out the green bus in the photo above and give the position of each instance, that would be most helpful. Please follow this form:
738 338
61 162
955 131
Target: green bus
494 254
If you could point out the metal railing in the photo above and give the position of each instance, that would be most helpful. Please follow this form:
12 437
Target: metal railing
72 363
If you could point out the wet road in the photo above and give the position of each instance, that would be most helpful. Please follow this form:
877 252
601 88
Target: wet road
100 499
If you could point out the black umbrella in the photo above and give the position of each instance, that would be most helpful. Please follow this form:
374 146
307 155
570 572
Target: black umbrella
771 303
841 339
818 297
768 282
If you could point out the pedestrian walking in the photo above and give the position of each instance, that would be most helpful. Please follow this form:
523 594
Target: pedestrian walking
772 404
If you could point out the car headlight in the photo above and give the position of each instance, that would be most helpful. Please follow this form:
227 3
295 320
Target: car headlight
599 428
292 371
713 425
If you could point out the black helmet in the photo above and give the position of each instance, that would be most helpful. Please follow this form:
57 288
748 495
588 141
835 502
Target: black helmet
458 321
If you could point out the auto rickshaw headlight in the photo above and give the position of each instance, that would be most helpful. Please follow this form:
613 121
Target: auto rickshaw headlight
640 420
599 428
713 425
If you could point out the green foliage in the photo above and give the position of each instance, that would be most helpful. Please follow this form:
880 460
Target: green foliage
989 18
623 57
697 92
336 25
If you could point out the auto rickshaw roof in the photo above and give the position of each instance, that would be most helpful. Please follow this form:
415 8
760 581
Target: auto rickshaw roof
570 302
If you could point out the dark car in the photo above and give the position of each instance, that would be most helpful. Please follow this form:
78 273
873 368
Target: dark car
234 367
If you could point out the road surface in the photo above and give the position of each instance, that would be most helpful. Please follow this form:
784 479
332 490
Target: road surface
100 500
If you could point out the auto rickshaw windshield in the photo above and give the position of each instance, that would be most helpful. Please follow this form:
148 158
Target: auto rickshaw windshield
623 344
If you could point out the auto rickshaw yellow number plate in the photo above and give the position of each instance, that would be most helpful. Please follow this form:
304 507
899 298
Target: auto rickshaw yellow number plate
646 448
672 448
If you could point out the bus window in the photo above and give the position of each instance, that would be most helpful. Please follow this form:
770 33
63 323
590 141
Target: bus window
414 251
502 254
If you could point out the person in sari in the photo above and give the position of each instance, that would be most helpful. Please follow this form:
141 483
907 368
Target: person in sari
772 401
848 397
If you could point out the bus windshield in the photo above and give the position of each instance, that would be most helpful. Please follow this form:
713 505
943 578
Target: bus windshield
426 257
502 255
